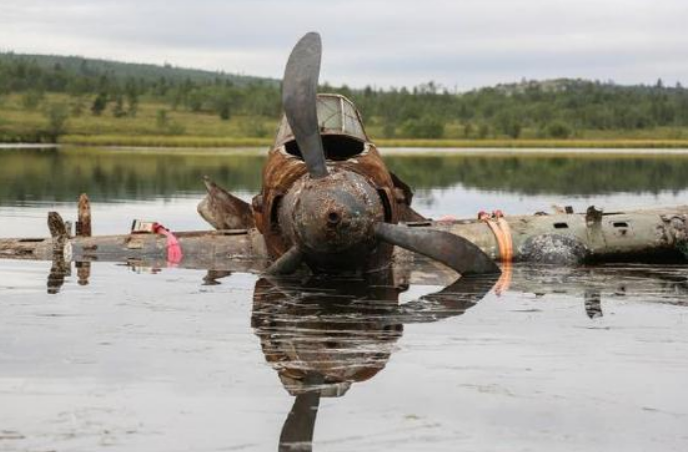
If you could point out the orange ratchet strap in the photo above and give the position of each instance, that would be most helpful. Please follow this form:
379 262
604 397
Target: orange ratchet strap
499 226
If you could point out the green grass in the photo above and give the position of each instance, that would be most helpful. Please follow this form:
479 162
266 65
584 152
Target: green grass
185 141
188 129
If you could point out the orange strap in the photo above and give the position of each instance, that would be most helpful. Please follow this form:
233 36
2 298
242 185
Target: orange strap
507 239
506 277
501 230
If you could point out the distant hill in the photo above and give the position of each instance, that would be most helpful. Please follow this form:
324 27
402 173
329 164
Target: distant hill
558 85
153 72
62 86
117 69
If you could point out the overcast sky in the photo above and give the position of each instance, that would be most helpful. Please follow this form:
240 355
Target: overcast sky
461 44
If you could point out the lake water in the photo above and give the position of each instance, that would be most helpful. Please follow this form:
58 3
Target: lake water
170 359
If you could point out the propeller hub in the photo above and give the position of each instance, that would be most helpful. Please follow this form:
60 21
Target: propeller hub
334 214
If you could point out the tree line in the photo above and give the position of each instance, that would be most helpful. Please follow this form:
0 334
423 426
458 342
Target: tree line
556 108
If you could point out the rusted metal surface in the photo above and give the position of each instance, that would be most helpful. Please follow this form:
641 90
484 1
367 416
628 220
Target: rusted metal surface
223 210
83 224
332 219
283 171
279 173
59 231
325 187
57 226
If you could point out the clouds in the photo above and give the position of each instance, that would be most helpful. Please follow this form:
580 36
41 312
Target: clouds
463 43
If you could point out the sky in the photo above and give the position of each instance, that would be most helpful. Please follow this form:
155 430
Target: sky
461 44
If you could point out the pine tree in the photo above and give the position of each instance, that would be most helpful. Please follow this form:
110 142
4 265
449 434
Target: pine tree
99 104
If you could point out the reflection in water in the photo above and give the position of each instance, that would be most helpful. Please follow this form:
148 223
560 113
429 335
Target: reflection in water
59 269
212 277
28 175
83 272
593 303
558 174
110 175
324 335
658 283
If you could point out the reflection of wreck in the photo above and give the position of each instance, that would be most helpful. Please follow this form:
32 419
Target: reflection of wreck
329 203
322 336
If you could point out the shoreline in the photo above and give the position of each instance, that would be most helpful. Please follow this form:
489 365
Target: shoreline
203 142
385 151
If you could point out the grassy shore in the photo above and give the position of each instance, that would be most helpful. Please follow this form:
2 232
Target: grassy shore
181 128
182 141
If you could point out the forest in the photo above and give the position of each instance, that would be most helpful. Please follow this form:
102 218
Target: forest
43 98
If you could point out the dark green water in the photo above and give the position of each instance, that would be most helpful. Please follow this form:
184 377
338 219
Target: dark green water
116 175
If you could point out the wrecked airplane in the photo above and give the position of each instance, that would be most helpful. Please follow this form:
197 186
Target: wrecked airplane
329 204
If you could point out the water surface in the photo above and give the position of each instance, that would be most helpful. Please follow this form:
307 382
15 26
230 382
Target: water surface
137 358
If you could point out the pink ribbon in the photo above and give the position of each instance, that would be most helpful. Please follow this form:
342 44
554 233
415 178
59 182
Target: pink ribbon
173 245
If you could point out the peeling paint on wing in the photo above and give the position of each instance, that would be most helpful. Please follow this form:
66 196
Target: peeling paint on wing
554 249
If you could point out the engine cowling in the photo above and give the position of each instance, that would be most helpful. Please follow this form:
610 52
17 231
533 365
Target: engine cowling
331 219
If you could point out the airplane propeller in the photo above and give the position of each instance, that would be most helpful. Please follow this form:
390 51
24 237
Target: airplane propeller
299 101
454 251
344 223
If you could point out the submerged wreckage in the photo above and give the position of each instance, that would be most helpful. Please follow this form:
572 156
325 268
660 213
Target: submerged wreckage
329 204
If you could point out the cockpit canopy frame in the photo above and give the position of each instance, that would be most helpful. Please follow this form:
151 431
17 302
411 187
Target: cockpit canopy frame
337 115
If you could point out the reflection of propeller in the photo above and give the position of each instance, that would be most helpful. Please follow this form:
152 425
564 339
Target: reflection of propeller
299 101
335 218
298 429
322 335
453 300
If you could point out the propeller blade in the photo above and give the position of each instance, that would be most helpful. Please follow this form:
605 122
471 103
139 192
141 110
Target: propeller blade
454 251
299 101
298 428
287 263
